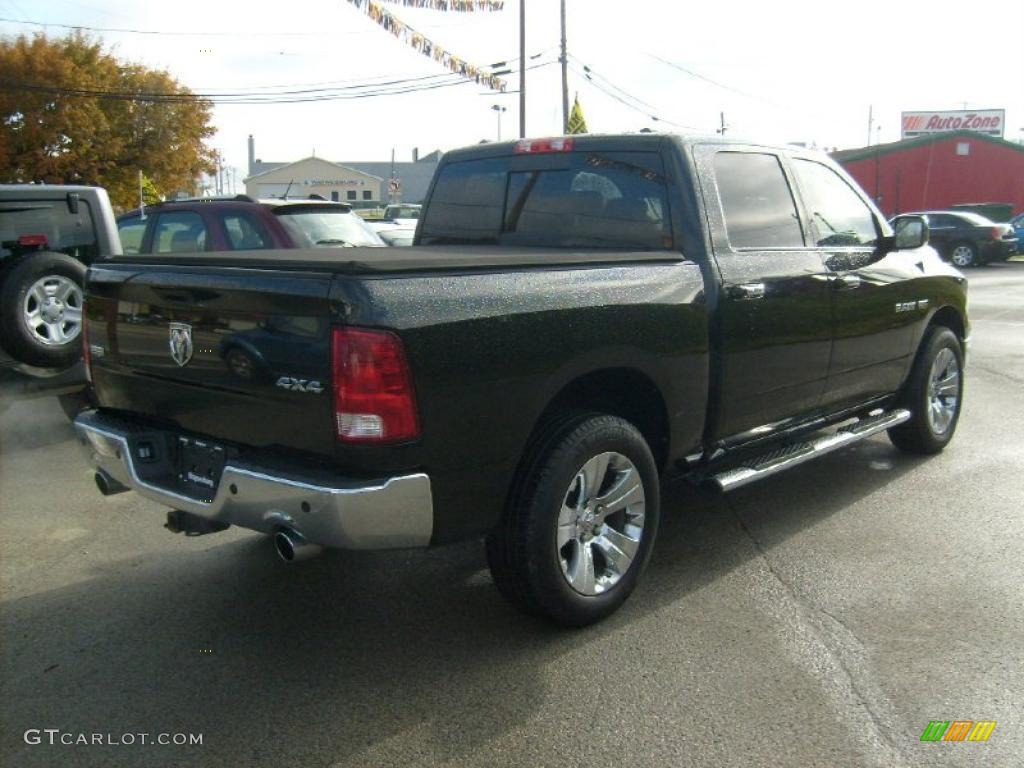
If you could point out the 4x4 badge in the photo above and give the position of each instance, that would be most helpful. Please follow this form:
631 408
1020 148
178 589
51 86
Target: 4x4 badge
181 342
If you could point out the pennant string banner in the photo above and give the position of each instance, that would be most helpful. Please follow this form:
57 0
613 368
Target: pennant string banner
417 40
462 6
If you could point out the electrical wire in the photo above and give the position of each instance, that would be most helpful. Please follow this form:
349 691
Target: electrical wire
635 104
393 88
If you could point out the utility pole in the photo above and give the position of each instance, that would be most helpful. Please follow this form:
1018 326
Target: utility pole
565 77
522 69
721 118
871 121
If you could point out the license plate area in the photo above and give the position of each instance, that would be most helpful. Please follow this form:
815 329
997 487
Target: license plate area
200 465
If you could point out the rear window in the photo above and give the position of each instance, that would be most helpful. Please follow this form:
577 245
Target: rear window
601 200
328 228
67 232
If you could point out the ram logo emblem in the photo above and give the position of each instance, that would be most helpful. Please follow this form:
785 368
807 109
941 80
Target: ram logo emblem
181 342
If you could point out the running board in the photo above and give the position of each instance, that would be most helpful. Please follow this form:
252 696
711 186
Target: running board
797 453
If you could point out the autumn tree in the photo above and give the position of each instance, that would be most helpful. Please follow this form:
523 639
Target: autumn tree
71 113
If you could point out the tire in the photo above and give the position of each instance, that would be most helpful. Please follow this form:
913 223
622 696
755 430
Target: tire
964 255
41 310
933 394
555 526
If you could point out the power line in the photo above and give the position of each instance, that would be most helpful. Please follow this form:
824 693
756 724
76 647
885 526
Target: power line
715 83
169 33
636 107
398 87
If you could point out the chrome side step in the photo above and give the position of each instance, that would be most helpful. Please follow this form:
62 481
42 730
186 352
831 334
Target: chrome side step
797 453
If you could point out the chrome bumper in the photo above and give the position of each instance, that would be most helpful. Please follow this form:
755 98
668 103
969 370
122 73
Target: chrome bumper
322 508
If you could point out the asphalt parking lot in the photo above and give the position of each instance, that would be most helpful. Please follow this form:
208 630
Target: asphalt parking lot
821 617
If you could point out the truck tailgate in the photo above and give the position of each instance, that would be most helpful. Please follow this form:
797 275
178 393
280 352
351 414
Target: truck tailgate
237 354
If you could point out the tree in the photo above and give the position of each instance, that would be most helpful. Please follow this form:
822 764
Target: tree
71 113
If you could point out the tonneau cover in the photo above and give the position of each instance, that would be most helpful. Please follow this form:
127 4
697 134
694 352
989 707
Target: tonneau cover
410 259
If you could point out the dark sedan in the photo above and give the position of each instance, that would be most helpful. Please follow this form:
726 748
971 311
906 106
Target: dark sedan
966 239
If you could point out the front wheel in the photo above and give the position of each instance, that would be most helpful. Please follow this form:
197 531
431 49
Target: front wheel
581 521
964 255
934 395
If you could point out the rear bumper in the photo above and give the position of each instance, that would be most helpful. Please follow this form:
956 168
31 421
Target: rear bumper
323 508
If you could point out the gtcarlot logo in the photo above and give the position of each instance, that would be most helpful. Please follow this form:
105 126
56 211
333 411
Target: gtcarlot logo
58 737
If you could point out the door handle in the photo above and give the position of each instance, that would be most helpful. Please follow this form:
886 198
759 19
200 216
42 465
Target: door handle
846 282
747 291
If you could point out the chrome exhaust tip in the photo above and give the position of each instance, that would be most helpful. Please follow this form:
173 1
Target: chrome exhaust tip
108 486
291 547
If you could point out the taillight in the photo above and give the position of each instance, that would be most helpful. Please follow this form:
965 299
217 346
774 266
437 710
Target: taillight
531 146
374 401
32 240
86 353
997 233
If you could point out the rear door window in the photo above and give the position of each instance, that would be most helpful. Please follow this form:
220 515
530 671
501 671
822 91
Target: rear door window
601 200
245 232
757 202
179 232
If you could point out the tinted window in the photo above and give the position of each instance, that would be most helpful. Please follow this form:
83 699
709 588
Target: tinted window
757 202
940 220
70 233
245 232
131 230
840 217
467 203
179 232
611 199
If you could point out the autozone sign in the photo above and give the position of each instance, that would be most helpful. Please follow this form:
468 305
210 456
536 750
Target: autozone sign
989 121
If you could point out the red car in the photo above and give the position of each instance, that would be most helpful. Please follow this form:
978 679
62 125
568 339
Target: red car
241 223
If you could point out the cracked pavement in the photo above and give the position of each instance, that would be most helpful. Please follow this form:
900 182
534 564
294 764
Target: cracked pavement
819 618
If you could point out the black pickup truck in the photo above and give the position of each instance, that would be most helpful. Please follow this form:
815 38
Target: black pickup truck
579 317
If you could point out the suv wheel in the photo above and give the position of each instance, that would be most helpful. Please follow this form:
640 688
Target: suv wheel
934 395
41 310
581 521
964 255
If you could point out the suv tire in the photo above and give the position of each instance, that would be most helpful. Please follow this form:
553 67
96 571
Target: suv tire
41 297
581 521
933 394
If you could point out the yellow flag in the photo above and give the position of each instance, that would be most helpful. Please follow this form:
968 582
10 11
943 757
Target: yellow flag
577 123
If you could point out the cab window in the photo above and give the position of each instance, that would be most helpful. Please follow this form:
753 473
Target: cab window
839 216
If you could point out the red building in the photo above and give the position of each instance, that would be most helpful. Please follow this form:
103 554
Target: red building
939 170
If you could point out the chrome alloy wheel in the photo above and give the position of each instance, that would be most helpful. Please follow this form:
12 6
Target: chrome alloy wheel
943 391
53 310
601 523
962 256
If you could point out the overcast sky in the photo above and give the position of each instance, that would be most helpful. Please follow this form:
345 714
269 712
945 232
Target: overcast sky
785 71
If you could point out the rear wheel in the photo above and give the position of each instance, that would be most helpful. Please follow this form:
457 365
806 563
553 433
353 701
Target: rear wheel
964 255
934 395
581 521
41 310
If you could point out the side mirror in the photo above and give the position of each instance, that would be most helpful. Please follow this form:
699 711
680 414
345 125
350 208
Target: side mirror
911 233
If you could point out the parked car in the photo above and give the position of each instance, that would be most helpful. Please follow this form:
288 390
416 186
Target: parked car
587 315
1017 222
966 239
398 225
241 223
49 234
